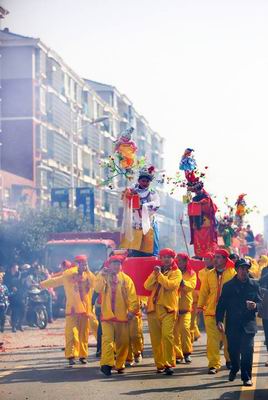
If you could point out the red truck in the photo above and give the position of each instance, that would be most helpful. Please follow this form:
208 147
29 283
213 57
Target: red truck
96 245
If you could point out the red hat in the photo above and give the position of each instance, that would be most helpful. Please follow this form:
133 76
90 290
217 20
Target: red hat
209 255
183 256
81 258
222 252
66 264
118 258
167 252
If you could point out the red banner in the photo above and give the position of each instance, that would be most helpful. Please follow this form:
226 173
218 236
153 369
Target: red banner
139 268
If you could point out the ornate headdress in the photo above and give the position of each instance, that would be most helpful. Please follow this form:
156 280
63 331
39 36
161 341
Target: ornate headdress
147 172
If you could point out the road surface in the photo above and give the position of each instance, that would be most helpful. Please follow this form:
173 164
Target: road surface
33 367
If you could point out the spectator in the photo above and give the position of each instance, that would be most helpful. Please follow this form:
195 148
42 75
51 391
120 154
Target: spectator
14 283
263 309
38 274
3 303
250 239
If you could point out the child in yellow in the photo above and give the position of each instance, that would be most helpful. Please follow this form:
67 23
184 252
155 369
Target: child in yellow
182 329
119 303
164 283
209 295
78 283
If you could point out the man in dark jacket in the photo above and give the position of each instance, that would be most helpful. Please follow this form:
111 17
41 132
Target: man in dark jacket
238 304
263 309
14 283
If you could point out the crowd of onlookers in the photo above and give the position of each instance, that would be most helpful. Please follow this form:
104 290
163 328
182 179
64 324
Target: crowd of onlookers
15 284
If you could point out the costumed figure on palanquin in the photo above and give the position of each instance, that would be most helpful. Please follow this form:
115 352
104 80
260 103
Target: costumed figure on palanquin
201 209
226 231
140 233
126 149
241 209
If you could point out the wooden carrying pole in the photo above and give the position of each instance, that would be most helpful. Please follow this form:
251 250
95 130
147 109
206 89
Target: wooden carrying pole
183 234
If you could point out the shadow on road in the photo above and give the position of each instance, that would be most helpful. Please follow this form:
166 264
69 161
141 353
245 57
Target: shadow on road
259 394
53 371
179 389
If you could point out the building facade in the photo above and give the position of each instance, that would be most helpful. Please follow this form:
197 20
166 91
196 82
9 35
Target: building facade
56 127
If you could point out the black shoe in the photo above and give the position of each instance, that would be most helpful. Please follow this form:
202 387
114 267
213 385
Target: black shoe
188 359
121 371
106 370
138 358
232 376
248 383
179 360
83 360
169 371
71 361
228 365
212 371
14 329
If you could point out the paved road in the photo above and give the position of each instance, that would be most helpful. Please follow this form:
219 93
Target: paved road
33 368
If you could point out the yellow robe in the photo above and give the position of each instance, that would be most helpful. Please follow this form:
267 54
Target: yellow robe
117 299
182 329
78 290
162 308
210 292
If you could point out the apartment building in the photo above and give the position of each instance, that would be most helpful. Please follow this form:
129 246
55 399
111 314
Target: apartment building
57 126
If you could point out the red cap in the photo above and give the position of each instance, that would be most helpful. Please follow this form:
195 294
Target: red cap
167 252
222 252
118 258
66 264
81 258
184 256
209 255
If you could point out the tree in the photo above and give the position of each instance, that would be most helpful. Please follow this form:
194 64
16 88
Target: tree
23 240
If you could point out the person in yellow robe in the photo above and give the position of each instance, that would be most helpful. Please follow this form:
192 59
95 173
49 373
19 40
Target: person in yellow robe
182 329
162 307
78 283
209 295
136 342
209 265
119 304
263 262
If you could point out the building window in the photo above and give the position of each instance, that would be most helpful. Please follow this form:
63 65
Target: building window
6 195
42 100
67 85
43 138
43 179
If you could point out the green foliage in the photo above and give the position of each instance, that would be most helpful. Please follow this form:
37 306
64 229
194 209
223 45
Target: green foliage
24 240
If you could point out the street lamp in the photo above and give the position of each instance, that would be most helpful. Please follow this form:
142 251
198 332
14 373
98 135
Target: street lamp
93 122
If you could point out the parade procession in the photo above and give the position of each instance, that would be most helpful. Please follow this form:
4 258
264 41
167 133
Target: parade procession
133 261
140 281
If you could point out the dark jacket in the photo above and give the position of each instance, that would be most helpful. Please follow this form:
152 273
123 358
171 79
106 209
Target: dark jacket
264 278
263 308
14 284
232 304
